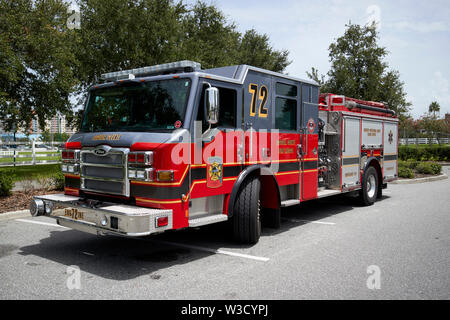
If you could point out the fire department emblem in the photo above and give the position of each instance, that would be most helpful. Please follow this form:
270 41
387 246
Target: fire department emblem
391 137
214 172
311 125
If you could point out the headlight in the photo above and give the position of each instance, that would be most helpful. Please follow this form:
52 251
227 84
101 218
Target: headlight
131 174
140 174
69 168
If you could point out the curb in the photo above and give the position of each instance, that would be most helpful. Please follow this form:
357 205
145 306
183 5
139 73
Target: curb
14 215
421 180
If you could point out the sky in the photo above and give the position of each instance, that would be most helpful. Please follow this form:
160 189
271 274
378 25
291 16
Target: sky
415 33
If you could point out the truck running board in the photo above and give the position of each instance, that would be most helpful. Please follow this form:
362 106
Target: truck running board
289 203
209 219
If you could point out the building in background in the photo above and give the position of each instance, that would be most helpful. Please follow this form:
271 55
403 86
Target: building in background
58 124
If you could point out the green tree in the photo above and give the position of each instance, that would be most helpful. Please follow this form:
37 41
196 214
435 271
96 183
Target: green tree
358 70
434 127
36 61
43 63
255 50
75 119
125 34
207 37
407 128
431 126
434 107
46 136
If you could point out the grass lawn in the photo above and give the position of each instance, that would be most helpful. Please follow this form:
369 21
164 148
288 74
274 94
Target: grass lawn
18 160
38 152
31 172
49 158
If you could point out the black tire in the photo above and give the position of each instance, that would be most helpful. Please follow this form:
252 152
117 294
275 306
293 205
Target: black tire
380 192
369 191
246 213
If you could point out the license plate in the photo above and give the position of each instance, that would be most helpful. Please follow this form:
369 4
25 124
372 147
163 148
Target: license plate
74 214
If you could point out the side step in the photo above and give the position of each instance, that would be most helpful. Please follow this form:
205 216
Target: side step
327 193
208 219
289 203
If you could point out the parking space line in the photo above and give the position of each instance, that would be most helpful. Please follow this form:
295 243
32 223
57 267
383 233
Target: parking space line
188 246
41 223
309 221
216 251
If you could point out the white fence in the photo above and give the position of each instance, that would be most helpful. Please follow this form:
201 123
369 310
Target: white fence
404 141
29 153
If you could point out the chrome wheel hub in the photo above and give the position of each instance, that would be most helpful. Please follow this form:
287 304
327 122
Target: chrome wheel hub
371 186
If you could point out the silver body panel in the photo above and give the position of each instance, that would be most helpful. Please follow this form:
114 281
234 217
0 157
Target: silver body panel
207 205
390 160
133 221
351 152
372 133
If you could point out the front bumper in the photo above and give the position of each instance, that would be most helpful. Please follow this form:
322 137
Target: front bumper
101 217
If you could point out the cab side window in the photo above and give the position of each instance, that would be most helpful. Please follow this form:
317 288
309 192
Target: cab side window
286 107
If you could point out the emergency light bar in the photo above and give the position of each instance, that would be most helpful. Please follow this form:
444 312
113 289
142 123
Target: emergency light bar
173 67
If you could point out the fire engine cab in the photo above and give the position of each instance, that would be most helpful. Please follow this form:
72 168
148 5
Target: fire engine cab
173 146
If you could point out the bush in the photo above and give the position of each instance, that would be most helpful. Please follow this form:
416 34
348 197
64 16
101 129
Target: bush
58 181
425 168
45 182
6 183
437 168
404 172
411 164
424 153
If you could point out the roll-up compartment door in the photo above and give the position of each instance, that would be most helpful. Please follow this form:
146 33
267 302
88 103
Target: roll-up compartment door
390 154
351 152
372 134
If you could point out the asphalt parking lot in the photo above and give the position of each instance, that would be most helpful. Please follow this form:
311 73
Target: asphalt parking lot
326 249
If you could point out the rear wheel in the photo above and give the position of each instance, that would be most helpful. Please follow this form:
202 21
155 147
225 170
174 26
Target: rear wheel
369 191
246 213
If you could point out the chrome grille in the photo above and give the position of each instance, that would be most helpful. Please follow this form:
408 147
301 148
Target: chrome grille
113 158
103 186
105 171
102 172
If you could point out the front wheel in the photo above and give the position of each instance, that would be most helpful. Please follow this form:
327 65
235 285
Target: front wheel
246 213
369 191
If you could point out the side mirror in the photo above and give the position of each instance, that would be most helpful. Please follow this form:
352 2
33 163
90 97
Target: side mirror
212 105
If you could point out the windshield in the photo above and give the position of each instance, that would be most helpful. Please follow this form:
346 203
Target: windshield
137 107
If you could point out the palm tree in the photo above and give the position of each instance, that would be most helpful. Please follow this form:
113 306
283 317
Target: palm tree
433 108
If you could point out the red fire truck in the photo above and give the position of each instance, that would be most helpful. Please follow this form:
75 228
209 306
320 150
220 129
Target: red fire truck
173 146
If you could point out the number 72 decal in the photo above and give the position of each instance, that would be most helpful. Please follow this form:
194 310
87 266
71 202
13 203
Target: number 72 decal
261 95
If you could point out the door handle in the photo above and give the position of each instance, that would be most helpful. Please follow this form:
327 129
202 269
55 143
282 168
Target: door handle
240 152
299 151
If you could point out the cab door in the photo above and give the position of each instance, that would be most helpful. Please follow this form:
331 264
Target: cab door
218 160
257 118
287 104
